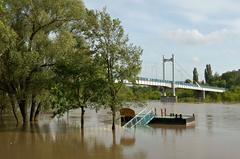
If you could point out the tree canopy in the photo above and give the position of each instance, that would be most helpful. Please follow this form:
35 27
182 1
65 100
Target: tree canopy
60 49
118 59
208 74
35 36
195 75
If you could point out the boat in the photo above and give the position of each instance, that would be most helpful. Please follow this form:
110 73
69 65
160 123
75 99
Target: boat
148 116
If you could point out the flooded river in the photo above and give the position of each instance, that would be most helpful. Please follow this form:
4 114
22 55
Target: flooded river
216 135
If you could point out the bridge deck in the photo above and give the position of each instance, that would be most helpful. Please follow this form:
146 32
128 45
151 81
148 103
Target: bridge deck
178 84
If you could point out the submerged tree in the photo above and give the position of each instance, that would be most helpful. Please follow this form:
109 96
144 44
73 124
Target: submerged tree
76 83
35 37
117 59
84 56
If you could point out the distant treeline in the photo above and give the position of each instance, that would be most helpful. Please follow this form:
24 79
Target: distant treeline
229 80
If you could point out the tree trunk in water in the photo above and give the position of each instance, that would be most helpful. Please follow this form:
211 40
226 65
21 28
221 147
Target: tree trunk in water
22 106
82 137
13 103
33 106
1 113
68 116
82 116
113 118
37 112
114 137
1 107
114 145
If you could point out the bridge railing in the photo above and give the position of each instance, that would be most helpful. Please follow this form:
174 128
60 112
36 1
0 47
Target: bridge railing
153 80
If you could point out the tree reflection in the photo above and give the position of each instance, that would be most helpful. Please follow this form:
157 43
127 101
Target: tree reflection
128 138
55 141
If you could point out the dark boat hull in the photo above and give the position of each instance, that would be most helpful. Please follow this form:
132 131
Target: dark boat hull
168 120
172 121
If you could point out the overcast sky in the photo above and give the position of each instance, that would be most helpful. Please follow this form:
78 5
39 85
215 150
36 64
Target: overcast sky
197 32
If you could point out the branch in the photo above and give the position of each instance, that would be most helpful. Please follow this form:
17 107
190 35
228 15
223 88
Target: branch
3 89
39 28
37 68
47 65
120 85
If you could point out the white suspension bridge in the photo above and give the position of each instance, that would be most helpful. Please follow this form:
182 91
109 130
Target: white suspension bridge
176 84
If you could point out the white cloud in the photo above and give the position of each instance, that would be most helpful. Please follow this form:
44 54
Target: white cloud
207 7
196 60
213 12
196 37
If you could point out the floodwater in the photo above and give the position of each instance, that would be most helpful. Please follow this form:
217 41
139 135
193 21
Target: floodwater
215 135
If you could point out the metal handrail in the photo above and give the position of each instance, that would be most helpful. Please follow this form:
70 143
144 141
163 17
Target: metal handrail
129 123
144 117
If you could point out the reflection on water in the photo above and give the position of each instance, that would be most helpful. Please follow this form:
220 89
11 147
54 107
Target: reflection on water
59 140
216 126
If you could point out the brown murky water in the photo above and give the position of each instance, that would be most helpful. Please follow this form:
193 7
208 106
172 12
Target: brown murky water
216 135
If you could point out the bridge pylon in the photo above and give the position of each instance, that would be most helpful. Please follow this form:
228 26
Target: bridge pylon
173 98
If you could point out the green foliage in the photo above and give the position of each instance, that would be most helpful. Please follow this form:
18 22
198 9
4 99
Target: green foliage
213 97
195 75
4 102
218 81
126 94
146 93
61 100
78 76
58 46
232 78
1 6
186 95
208 74
117 59
188 81
233 95
229 80
34 36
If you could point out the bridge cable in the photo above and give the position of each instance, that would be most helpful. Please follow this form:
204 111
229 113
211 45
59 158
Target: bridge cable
183 70
187 73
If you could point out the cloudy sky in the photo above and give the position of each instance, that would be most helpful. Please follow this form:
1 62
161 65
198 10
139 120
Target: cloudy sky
197 32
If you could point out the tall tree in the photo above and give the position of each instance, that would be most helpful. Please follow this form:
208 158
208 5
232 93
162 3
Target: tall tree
118 60
208 74
39 36
77 81
195 75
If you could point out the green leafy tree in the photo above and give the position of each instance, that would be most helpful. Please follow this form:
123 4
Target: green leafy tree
231 78
188 81
208 74
195 75
61 100
76 83
1 6
218 81
37 36
118 60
